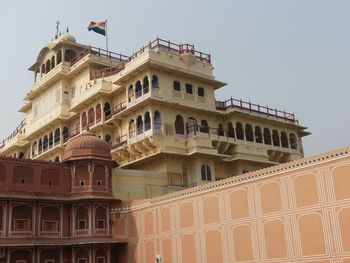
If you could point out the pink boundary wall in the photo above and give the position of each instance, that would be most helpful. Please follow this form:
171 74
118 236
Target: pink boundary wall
294 212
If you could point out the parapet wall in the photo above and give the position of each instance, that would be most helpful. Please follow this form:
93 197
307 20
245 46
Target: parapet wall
294 212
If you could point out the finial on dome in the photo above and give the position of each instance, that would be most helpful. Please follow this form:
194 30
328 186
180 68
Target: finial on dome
67 30
57 28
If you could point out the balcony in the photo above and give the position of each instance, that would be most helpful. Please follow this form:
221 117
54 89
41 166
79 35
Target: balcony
141 143
15 139
257 109
49 78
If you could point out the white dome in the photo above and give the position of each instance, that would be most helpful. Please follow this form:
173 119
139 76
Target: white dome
67 37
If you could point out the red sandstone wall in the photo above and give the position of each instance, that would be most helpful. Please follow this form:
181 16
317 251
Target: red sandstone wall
297 212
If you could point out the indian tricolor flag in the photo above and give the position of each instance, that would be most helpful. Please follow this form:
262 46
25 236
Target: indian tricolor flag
98 27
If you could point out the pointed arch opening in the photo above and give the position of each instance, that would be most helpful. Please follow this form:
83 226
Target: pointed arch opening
147 121
145 85
138 89
157 120
284 140
155 82
239 131
267 136
179 125
139 125
258 135
205 173
293 141
98 112
275 138
107 111
249 136
230 130
131 128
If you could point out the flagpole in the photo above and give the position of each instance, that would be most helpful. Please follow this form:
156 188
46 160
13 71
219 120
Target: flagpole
106 36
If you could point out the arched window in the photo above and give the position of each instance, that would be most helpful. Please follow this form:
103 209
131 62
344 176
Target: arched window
147 121
45 142
179 125
138 90
48 63
50 139
131 128
57 137
267 136
192 126
34 148
249 133
40 145
107 111
258 135
59 57
145 85
108 138
91 116
205 173
21 155
69 54
204 126
275 138
131 93
82 218
22 218
284 140
230 130
57 159
157 122
220 130
84 120
52 62
100 218
98 112
239 131
139 125
293 141
155 82
43 70
65 133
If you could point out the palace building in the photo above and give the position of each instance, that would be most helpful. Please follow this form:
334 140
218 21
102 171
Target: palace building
66 213
157 110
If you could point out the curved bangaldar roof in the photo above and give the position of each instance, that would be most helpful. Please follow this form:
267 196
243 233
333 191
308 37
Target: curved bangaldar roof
87 146
67 38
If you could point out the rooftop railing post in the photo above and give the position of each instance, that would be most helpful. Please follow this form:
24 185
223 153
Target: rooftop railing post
276 112
240 102
250 106
258 108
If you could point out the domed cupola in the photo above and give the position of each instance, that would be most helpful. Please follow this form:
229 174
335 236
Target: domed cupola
87 146
91 166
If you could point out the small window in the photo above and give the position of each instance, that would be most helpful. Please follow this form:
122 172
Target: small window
101 224
82 183
99 182
50 226
50 183
177 86
23 180
205 173
108 138
200 92
189 88
82 224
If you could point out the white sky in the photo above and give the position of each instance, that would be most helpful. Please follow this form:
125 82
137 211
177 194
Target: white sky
293 55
